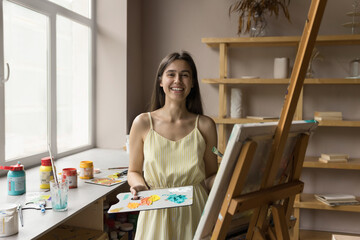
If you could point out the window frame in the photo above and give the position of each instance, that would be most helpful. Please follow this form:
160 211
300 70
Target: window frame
51 10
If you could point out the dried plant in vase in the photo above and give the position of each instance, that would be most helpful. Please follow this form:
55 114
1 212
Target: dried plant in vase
252 13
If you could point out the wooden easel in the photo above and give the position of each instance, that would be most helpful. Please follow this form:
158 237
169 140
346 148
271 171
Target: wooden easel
276 199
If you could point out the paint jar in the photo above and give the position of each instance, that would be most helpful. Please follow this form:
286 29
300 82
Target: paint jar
132 217
71 175
46 173
9 224
129 228
15 179
86 170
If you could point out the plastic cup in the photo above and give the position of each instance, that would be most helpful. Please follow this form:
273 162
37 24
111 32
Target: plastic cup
59 195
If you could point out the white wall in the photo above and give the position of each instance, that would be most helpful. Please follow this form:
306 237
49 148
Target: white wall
111 77
135 87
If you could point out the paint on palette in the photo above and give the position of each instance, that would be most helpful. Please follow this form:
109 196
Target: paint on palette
144 201
177 198
115 210
126 196
154 199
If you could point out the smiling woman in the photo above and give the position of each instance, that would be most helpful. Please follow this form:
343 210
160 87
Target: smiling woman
172 144
176 81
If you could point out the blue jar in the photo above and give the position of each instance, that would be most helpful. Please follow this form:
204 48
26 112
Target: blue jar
15 179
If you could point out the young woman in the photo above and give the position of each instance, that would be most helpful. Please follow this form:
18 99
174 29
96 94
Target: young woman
172 146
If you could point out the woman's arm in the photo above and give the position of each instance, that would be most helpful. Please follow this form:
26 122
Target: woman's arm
207 128
138 131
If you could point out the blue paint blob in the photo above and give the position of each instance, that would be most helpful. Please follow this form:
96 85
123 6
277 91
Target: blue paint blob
126 196
177 198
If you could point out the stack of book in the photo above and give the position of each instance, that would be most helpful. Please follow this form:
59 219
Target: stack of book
320 116
337 199
333 157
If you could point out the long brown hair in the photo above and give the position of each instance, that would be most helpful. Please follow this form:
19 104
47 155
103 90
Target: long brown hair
193 100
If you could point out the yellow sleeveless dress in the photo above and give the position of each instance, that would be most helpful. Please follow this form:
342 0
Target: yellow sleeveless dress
173 164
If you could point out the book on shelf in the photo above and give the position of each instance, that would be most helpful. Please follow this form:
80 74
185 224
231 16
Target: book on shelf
263 117
328 114
337 199
321 116
328 118
334 156
340 160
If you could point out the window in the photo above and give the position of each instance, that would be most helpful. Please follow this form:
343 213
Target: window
79 6
73 44
48 98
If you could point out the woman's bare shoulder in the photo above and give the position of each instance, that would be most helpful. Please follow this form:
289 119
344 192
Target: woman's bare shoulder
141 123
206 122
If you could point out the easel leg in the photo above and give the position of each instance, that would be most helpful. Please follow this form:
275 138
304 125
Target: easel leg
235 187
281 228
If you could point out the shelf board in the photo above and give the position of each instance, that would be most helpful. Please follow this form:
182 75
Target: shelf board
321 123
308 201
319 235
337 123
239 120
313 162
281 41
342 81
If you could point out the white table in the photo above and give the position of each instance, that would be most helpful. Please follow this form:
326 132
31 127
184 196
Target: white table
85 203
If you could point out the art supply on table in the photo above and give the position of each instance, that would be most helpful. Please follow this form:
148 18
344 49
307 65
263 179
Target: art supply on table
112 168
154 199
42 205
127 228
110 180
9 224
52 163
21 217
86 170
46 173
16 183
132 217
71 175
59 195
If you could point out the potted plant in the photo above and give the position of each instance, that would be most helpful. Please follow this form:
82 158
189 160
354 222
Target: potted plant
252 14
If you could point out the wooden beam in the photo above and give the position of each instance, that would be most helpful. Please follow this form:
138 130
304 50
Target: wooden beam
261 197
303 55
236 185
280 224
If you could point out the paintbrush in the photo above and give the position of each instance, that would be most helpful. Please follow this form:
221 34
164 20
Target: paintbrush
117 168
53 166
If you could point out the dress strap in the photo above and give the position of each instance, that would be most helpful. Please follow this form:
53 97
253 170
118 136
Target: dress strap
196 121
151 125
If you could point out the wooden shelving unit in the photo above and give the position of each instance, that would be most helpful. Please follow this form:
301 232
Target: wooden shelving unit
223 44
352 164
308 201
